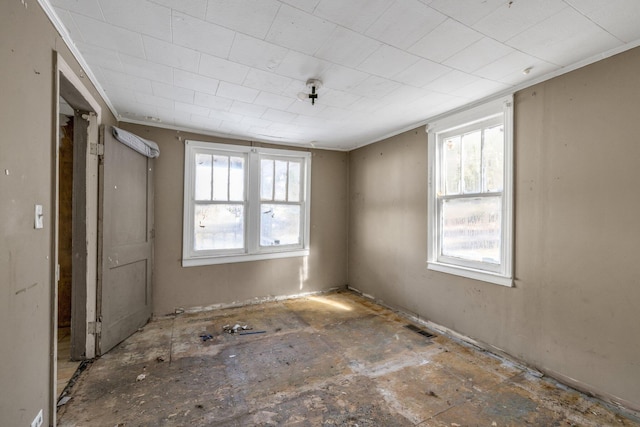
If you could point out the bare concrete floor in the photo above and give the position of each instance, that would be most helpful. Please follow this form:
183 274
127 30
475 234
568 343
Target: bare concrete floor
336 359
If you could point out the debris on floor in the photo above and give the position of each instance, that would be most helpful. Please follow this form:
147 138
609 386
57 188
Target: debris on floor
348 363
141 377
206 337
235 329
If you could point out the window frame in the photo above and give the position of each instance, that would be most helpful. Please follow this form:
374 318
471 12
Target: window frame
252 250
438 130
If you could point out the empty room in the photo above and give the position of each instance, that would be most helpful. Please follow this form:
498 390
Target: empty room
319 212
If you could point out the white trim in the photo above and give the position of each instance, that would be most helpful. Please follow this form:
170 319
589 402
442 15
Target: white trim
471 273
503 274
226 259
252 250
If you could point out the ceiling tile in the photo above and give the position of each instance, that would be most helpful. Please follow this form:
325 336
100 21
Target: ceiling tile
341 78
446 40
515 62
451 82
337 98
298 30
415 18
257 53
145 98
147 69
141 16
479 54
347 47
357 15
388 61
618 17
306 5
421 73
191 109
508 20
247 109
69 24
226 116
252 17
375 87
169 54
236 92
480 89
212 102
302 67
254 121
201 35
269 82
100 57
206 121
196 8
90 8
467 12
305 108
278 116
125 82
564 38
164 90
196 82
109 37
274 101
222 69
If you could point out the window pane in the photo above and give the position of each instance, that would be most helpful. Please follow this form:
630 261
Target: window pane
471 143
472 228
219 227
220 177
279 225
294 182
203 177
236 179
452 165
266 179
281 181
493 158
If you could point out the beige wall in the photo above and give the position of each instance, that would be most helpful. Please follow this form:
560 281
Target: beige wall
187 287
27 45
574 309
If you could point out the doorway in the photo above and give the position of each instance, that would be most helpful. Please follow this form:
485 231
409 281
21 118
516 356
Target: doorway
75 246
66 365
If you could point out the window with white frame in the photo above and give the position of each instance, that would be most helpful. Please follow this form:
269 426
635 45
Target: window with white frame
471 193
244 203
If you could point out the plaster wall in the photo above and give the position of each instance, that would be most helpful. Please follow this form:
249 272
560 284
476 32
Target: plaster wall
573 312
28 42
205 286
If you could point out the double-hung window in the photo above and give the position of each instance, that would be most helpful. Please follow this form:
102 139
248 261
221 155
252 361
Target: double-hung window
244 203
470 193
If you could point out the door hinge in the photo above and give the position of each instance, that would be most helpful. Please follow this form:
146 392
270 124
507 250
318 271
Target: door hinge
96 149
57 272
94 328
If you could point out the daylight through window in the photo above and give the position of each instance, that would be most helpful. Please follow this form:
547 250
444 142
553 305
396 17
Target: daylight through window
244 203
470 196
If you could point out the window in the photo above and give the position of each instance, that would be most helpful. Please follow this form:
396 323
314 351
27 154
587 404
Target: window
244 203
470 193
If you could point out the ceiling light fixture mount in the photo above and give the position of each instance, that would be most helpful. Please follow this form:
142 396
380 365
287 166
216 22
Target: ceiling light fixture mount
313 85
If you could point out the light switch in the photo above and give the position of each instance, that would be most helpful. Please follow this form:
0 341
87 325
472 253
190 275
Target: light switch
38 219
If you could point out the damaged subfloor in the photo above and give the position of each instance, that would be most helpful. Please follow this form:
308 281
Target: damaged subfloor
336 359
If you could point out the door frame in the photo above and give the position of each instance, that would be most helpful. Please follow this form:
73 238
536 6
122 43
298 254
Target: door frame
68 85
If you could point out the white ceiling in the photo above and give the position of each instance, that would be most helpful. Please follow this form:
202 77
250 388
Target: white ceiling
234 67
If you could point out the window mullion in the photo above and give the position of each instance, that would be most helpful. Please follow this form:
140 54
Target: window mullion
253 201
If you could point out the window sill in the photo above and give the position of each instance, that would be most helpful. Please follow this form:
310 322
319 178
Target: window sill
227 259
471 273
